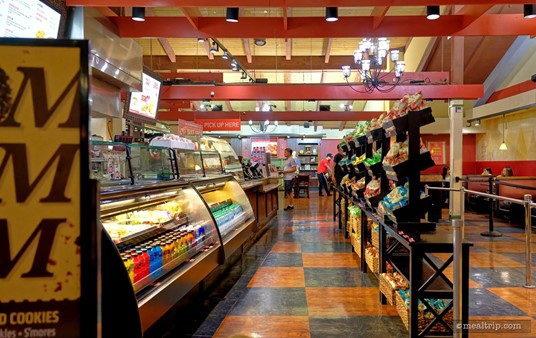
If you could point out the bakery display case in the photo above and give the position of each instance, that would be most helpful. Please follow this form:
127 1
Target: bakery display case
108 163
167 240
151 164
230 208
229 159
189 163
212 165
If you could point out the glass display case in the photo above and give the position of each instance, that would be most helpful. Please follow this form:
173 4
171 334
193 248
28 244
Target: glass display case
212 163
151 164
230 162
230 208
108 163
157 230
189 163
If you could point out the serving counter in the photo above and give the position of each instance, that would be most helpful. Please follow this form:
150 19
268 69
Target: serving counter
263 197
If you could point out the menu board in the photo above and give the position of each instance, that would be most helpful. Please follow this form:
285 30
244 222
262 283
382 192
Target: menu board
145 103
28 19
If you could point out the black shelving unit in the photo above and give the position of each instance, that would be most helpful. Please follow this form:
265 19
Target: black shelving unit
414 241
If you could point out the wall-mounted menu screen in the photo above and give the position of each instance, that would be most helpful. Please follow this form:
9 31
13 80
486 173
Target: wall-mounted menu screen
28 19
144 105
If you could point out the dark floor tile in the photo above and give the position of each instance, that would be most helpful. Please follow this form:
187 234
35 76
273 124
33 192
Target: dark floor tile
520 257
509 229
484 303
283 259
209 326
337 327
326 247
272 302
497 277
335 277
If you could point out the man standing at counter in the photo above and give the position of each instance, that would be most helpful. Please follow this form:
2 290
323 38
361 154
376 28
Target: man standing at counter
289 173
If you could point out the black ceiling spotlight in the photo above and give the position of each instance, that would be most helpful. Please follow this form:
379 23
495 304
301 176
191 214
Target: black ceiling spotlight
214 49
232 14
138 13
200 40
243 77
332 14
260 42
432 12
529 11
225 55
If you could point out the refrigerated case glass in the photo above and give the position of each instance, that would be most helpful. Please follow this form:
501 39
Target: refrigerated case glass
227 202
212 163
189 163
151 164
230 162
157 230
108 163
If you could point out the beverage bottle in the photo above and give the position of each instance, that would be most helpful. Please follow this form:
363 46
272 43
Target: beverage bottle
136 262
150 252
158 256
128 266
147 262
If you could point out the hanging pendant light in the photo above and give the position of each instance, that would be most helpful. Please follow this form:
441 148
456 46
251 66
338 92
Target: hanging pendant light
503 144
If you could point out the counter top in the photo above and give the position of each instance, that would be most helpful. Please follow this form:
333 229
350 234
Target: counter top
269 187
252 184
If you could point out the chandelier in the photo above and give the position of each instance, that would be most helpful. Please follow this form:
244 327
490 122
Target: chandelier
371 60
263 127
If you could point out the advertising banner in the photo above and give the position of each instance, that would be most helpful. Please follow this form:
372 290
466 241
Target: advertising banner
437 150
44 197
188 128
219 124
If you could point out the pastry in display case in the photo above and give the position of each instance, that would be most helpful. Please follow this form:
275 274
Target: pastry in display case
211 163
230 208
108 163
151 164
189 163
164 235
229 159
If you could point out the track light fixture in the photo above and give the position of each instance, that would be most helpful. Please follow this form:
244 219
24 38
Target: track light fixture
260 42
200 40
529 11
332 14
225 55
215 48
432 12
138 13
232 14
243 77
477 122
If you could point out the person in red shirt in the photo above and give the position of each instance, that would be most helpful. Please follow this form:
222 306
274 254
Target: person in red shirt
323 169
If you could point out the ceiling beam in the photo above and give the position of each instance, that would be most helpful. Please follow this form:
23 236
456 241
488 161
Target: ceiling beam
317 27
228 105
276 3
194 21
341 125
247 50
472 12
327 50
206 44
283 92
168 49
173 115
288 49
288 79
378 13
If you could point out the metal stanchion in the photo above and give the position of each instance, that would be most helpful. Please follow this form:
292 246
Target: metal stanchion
426 194
457 227
528 249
